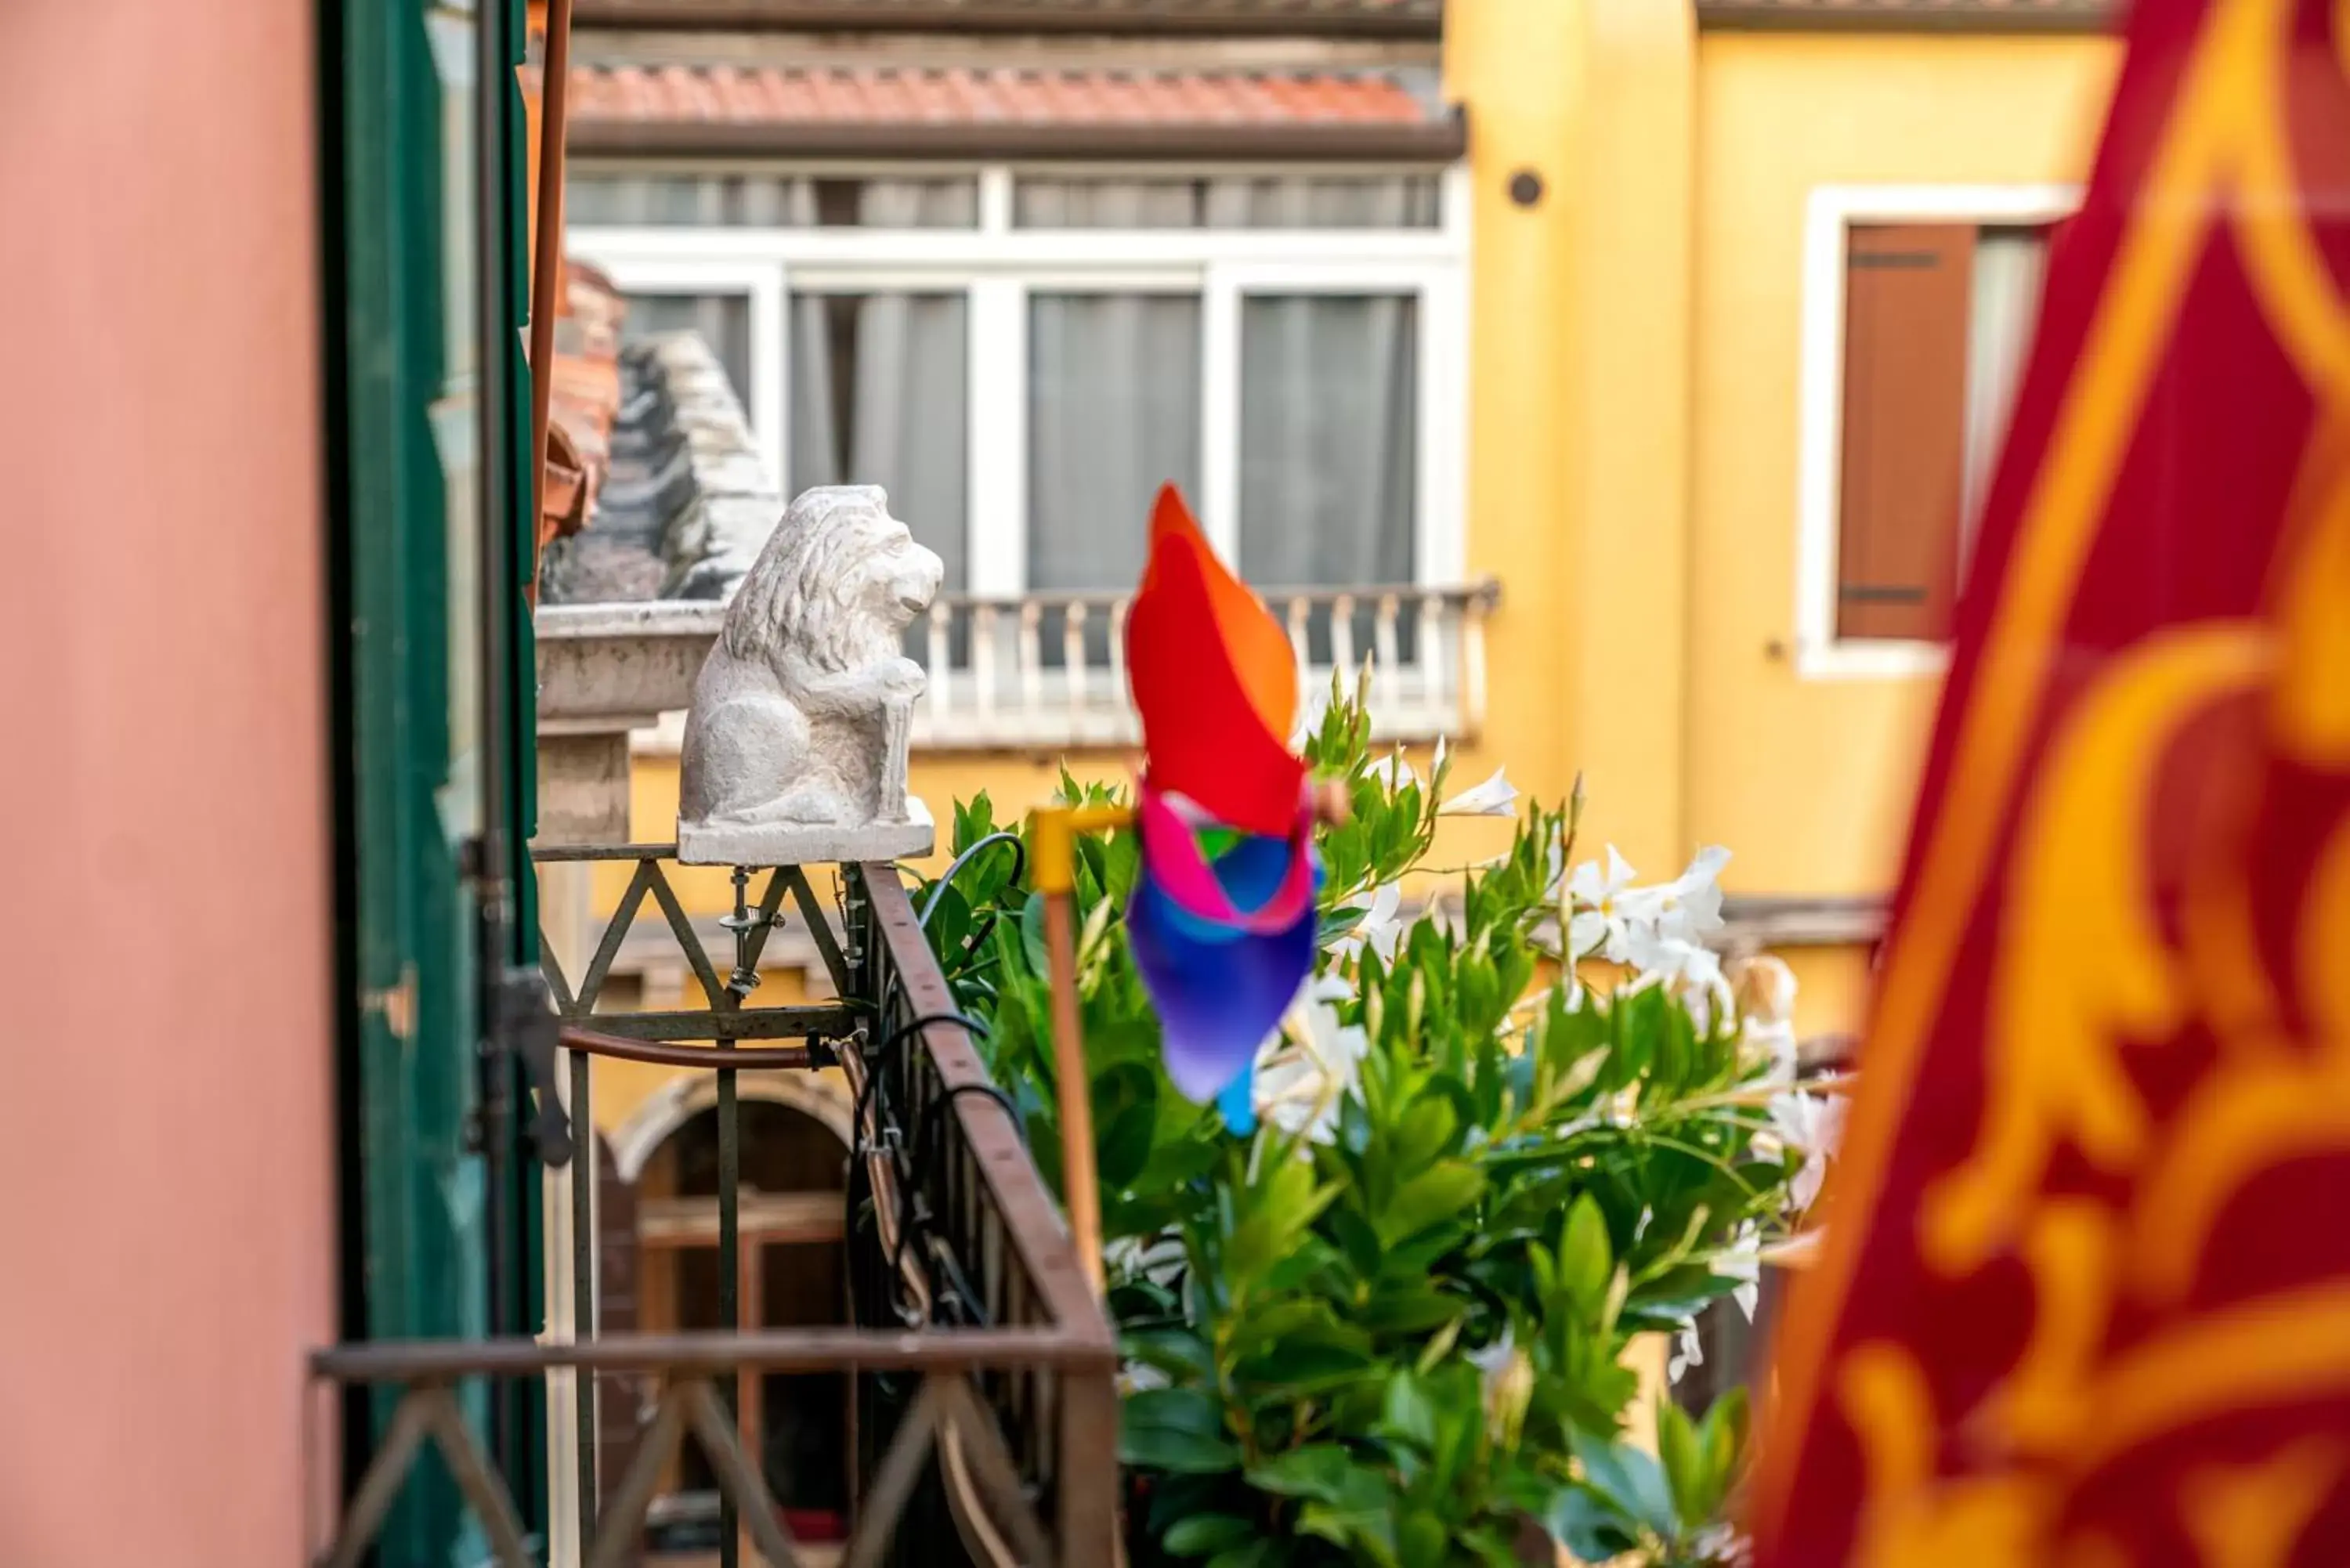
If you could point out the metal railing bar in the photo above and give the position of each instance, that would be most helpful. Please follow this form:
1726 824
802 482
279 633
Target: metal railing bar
827 1020
584 1293
753 944
622 1523
730 1259
827 945
418 1361
558 987
738 1480
681 927
1485 593
893 1483
585 1043
557 854
964 1419
1029 1213
477 1481
599 967
381 1483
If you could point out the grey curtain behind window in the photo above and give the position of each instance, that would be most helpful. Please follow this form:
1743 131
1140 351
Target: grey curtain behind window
1229 202
760 200
1328 438
879 391
724 321
1113 413
1330 448
2010 265
1402 202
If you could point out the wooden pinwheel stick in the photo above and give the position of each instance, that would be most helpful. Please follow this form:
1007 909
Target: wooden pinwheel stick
1053 843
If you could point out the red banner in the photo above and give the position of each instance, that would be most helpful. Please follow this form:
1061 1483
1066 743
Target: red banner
2086 1299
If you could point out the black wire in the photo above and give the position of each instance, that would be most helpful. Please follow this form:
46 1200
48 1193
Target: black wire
922 1150
938 887
898 1036
869 1091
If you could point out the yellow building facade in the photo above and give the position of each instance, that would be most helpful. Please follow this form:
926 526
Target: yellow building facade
1655 193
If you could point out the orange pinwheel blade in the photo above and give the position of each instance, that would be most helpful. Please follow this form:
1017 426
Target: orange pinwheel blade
1214 681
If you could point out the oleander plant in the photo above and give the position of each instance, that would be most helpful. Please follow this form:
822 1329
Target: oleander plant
1519 1118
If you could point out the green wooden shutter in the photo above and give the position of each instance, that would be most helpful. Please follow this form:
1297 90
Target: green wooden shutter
421 134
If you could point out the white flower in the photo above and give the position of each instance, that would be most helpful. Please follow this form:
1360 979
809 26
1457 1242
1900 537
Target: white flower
1599 927
1690 1351
1393 771
1158 1259
1497 796
1811 1125
1508 1375
1765 987
1689 905
1744 1262
1307 1066
1380 928
1138 1376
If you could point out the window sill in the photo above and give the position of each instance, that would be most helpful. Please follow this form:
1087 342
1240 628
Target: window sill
1871 660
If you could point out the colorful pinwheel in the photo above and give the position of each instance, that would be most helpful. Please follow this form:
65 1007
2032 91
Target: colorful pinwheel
1222 922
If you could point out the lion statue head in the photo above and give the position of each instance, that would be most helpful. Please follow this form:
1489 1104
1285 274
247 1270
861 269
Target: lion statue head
841 574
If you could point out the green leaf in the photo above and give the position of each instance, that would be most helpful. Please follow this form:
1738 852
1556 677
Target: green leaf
1185 1453
1585 1262
1179 1429
1628 1480
1125 1110
1176 1351
1032 938
1425 1133
1683 1459
1578 1520
1406 1413
1724 1433
1203 1533
1316 1469
1442 1194
1262 1552
1420 1538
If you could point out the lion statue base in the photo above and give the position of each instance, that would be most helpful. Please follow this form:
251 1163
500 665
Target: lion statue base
795 745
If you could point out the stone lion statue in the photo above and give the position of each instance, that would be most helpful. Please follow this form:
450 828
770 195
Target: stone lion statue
800 713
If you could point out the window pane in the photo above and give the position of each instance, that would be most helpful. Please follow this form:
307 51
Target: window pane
1113 413
758 199
723 320
879 394
1238 201
2009 265
1329 447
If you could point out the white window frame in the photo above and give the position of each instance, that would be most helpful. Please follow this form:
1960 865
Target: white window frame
1830 216
997 266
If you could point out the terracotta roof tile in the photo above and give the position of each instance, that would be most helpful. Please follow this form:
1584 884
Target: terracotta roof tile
1389 18
585 399
962 95
1915 16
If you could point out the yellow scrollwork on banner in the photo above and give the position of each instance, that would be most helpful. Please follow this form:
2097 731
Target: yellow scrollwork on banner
2253 1516
2082 963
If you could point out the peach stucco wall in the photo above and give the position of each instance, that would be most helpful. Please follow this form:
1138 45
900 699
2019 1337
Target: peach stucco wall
166 1244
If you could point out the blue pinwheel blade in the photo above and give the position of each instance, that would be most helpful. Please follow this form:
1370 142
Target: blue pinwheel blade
1217 1001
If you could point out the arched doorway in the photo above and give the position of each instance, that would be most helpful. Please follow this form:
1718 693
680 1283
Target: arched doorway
793 1273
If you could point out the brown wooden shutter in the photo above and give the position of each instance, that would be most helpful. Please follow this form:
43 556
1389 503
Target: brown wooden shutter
1907 290
620 1397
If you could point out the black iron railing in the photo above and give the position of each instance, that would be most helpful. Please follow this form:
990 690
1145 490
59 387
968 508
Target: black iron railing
984 1409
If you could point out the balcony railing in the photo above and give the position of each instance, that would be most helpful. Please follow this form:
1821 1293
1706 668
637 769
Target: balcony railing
983 1411
1043 670
1050 668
